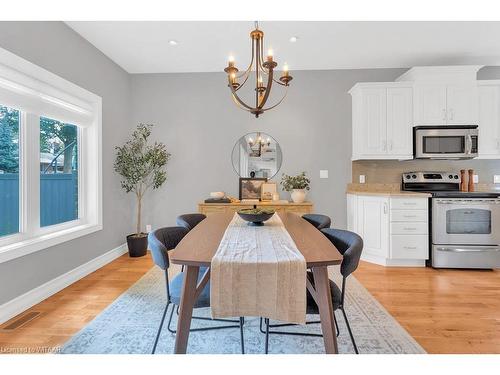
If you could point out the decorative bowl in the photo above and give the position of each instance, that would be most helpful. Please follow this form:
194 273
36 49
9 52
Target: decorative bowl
217 194
255 216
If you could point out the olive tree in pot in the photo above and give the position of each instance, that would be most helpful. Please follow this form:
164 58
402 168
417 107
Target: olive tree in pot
296 185
142 167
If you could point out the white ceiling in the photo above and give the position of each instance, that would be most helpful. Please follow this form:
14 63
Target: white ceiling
142 46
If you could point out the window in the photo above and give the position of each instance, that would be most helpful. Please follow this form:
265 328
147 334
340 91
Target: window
50 159
58 172
9 171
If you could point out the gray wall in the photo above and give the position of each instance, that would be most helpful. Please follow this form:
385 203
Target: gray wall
198 122
57 48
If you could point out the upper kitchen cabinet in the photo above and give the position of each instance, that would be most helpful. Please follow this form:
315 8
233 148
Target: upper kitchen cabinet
489 119
382 121
446 104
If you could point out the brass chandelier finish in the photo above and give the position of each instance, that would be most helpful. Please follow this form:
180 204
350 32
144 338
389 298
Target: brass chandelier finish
261 68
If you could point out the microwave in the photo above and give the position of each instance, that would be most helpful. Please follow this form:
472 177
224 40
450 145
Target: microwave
445 142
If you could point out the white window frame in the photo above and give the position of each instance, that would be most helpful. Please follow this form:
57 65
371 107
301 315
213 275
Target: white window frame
42 93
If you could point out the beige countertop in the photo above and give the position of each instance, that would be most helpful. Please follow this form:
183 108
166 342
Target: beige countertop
385 190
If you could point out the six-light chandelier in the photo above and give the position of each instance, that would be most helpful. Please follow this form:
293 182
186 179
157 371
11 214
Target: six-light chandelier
263 70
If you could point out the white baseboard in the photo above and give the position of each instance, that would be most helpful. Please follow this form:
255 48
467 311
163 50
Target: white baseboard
19 304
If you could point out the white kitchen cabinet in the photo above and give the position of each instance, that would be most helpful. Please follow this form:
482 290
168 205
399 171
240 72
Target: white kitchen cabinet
489 119
382 121
446 104
394 229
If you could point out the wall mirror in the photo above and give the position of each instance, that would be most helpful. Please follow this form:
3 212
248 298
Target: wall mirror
257 155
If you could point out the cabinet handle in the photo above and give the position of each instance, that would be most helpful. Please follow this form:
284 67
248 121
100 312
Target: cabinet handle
409 216
384 145
410 247
498 143
451 113
444 114
385 208
409 228
390 145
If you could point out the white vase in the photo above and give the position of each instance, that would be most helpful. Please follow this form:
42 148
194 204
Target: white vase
298 195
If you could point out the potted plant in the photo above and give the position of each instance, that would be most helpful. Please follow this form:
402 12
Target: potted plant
297 185
142 167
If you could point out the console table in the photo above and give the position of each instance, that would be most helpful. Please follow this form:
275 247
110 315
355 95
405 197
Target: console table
298 208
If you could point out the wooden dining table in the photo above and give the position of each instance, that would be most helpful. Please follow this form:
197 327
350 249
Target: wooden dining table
199 246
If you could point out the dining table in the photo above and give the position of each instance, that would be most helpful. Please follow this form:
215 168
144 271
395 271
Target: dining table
199 246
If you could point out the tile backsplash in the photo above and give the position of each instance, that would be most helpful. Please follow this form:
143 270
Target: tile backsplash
389 171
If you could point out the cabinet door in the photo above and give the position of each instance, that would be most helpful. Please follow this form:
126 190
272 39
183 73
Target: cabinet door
372 129
461 103
430 105
400 121
373 225
489 121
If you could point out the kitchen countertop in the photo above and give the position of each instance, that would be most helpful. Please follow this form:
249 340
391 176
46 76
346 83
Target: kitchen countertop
384 190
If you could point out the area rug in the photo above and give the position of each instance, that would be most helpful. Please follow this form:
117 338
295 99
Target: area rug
129 326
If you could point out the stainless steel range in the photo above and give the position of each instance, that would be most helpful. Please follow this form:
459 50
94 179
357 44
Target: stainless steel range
464 227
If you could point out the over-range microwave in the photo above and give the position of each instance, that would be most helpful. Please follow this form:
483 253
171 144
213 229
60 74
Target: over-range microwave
445 142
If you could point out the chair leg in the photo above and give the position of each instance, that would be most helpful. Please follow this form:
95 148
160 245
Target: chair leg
161 326
349 329
267 336
242 322
336 324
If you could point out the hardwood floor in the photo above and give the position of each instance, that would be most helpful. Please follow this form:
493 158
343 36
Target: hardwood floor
446 311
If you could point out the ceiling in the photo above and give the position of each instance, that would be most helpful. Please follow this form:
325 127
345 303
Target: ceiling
203 46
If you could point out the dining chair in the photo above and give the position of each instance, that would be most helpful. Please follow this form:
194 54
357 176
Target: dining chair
189 221
160 242
319 221
350 245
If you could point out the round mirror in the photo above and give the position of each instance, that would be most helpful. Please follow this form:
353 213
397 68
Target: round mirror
257 155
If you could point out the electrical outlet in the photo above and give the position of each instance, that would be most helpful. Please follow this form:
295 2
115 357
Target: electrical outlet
496 179
323 173
148 228
475 178
362 179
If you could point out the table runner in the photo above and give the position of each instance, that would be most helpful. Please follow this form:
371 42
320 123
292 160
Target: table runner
258 271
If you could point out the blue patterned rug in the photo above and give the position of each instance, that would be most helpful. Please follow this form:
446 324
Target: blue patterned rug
130 323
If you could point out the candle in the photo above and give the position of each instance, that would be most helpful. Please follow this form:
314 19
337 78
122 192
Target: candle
285 70
269 54
231 60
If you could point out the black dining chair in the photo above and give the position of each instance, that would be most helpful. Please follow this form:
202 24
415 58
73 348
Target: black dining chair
160 242
319 221
189 221
350 245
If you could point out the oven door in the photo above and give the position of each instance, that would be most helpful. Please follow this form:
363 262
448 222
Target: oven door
461 221
446 143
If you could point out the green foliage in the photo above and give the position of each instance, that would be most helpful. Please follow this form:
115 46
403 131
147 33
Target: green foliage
300 181
65 133
142 166
9 140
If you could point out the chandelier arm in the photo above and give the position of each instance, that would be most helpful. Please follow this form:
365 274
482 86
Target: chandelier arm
250 65
238 104
280 83
241 84
268 90
277 104
236 96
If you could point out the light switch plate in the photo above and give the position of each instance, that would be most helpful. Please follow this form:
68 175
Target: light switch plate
362 179
323 173
496 179
148 228
475 178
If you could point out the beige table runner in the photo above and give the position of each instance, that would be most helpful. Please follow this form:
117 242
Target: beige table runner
258 271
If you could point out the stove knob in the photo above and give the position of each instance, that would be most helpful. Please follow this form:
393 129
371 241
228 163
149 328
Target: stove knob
408 176
450 176
414 176
456 177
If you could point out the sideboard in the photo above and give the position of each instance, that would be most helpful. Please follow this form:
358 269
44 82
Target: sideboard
299 208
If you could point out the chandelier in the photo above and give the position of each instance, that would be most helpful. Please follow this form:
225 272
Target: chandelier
263 70
258 146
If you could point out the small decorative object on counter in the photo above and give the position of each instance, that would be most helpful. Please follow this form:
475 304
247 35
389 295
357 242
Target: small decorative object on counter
463 180
256 216
217 200
267 191
471 179
217 194
296 185
276 197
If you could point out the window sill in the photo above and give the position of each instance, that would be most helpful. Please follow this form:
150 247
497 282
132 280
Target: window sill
44 241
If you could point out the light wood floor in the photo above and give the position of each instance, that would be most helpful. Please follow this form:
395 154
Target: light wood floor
446 311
